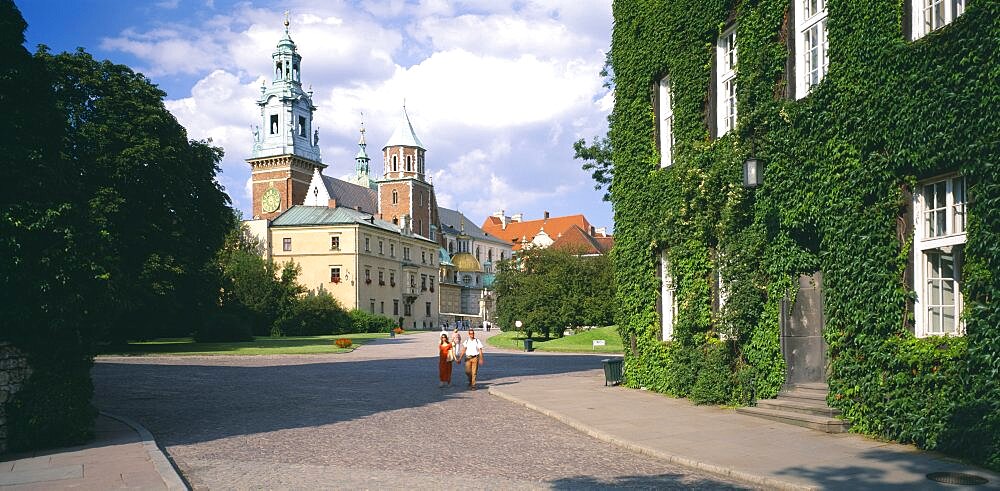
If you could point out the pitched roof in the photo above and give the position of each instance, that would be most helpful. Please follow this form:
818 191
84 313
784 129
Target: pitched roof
451 224
404 135
524 231
577 241
350 195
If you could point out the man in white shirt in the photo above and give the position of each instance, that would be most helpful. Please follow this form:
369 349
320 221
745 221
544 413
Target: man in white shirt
472 350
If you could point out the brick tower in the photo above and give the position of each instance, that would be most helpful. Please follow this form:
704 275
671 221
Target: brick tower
404 195
285 144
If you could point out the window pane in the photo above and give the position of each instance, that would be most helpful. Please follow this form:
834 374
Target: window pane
958 204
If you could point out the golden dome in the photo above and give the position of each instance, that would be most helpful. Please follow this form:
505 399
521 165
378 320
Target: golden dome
465 262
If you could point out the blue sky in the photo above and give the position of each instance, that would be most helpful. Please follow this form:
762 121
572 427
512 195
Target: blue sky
496 90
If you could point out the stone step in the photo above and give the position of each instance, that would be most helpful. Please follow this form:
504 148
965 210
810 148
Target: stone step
814 408
804 395
827 425
814 386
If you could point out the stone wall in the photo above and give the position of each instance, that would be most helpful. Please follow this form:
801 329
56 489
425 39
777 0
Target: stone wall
14 371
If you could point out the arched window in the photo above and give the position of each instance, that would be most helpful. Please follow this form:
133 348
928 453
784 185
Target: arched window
395 164
489 255
477 253
395 197
409 165
501 255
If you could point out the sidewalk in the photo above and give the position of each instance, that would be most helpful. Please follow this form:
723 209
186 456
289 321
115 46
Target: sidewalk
753 450
122 456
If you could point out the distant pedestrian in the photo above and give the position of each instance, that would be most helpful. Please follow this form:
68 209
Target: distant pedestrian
446 355
472 352
456 341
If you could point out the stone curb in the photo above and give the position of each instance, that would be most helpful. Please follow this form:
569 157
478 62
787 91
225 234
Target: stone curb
164 468
747 477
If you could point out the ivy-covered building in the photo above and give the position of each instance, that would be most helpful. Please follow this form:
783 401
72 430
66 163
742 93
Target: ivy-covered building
806 193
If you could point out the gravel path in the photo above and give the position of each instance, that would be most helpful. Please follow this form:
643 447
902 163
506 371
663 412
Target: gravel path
373 418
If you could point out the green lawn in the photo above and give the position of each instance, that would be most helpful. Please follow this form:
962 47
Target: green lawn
582 342
291 345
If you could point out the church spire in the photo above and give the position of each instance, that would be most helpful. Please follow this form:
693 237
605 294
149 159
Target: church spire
286 110
362 167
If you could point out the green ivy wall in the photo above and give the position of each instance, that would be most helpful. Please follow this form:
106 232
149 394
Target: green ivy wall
839 164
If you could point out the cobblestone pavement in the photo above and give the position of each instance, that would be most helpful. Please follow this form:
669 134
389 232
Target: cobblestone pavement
373 418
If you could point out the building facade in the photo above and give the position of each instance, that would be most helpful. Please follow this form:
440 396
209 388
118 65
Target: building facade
571 232
804 195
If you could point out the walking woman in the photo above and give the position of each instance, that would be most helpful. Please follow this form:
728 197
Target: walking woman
446 357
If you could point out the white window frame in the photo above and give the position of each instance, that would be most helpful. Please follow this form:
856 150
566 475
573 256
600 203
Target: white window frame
948 11
725 67
939 231
668 299
812 44
666 110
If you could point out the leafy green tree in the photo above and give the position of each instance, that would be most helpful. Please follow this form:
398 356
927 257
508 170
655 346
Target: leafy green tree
156 212
549 290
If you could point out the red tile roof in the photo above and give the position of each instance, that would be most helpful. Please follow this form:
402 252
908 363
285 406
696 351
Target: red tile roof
575 229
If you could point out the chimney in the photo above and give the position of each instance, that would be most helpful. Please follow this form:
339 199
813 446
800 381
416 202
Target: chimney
546 214
517 217
504 219
602 231
592 233
331 203
358 207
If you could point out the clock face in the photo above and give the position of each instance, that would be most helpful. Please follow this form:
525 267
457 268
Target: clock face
270 201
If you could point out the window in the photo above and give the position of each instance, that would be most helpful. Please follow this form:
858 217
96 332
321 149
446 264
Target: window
274 124
427 309
423 257
811 41
335 243
381 307
423 282
368 276
302 126
392 250
372 302
286 244
409 166
368 244
395 197
666 122
431 278
392 278
931 15
725 55
395 307
381 247
489 254
381 278
668 298
335 275
408 310
477 253
939 238
395 165
406 253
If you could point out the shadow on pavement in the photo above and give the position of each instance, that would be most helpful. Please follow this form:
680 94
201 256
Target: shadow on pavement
659 481
184 401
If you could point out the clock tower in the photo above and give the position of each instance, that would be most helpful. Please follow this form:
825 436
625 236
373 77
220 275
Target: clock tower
285 144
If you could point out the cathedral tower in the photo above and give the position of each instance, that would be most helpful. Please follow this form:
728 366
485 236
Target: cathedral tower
404 190
285 144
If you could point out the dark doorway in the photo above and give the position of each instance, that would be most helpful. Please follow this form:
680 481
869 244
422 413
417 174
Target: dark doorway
802 342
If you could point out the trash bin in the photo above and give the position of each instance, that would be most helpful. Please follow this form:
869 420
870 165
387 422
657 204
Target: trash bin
612 371
527 345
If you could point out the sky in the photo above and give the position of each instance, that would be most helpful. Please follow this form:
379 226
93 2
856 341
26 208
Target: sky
497 90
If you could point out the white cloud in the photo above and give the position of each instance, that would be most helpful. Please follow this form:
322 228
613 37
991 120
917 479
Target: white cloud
497 91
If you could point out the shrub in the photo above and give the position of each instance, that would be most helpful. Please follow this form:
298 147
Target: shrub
343 343
227 324
713 383
312 315
362 321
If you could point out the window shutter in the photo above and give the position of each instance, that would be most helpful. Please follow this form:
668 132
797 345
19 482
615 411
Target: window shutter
907 21
659 291
656 112
711 113
790 31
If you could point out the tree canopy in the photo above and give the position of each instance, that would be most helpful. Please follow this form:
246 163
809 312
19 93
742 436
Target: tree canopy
549 290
